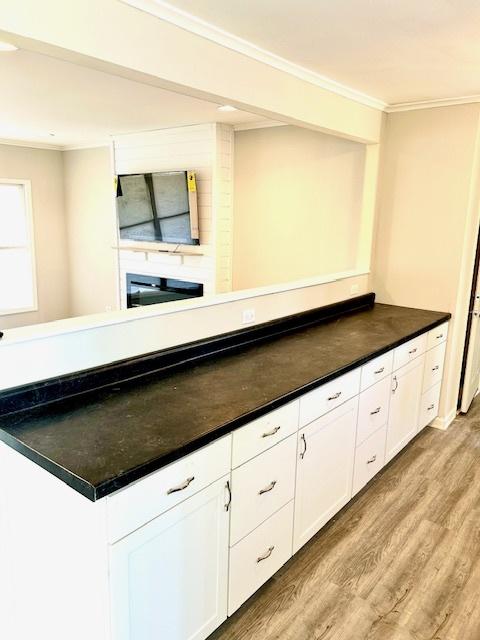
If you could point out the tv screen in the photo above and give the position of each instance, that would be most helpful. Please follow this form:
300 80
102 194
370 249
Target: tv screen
158 207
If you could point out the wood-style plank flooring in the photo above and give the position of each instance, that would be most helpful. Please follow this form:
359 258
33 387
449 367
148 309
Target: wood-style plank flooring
400 562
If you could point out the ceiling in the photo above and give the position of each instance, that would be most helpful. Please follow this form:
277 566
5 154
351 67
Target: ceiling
397 51
81 106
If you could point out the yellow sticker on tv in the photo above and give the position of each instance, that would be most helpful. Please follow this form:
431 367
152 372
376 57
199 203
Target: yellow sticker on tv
192 183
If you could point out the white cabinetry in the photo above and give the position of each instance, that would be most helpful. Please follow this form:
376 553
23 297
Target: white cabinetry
169 578
404 406
324 470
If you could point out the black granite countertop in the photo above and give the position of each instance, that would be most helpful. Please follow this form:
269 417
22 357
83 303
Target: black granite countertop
100 441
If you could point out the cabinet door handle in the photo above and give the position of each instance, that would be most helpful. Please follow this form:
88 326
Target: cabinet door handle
381 370
440 335
372 459
395 379
182 486
432 406
436 368
413 351
377 410
303 439
271 433
335 396
229 501
268 488
266 555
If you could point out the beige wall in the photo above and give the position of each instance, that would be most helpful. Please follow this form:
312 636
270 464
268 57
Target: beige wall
44 168
297 205
427 220
91 230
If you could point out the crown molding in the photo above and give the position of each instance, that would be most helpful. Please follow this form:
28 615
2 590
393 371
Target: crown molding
431 104
189 22
246 126
30 144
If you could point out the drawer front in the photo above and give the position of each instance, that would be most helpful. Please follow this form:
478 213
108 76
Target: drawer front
407 352
369 458
143 501
433 371
376 370
258 556
373 409
322 400
437 335
260 487
263 433
429 406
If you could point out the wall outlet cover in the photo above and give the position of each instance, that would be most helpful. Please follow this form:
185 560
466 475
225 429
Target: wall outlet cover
248 316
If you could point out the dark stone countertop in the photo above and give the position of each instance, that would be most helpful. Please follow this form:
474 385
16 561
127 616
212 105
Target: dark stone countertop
103 440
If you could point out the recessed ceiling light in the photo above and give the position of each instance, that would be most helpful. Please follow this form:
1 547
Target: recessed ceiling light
6 46
227 107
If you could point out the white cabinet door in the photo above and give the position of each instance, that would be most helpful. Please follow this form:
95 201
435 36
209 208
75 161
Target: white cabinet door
169 578
324 470
404 406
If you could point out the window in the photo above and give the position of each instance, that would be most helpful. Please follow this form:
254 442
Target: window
17 273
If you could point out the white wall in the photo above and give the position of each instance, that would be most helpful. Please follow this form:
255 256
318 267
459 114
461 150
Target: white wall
44 168
298 205
428 211
91 231
29 354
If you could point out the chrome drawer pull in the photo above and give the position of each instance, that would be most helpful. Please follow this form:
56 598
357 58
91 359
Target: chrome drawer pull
271 433
372 459
335 396
229 501
266 555
436 368
182 486
432 406
303 439
439 336
413 351
377 410
267 489
396 384
381 370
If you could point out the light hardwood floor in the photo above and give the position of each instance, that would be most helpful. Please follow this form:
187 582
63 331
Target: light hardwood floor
400 562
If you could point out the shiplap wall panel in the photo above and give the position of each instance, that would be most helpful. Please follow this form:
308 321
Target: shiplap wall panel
206 149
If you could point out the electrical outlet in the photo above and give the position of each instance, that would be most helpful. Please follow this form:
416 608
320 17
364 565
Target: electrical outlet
354 289
248 316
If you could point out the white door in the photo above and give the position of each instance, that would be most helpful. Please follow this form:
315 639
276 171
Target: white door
404 406
472 367
169 578
324 470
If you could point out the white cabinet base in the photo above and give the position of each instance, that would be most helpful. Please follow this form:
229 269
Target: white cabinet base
169 578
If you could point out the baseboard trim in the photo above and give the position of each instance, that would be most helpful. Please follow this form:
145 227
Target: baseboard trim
443 422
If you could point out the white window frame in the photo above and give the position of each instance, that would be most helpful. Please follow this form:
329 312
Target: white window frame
27 191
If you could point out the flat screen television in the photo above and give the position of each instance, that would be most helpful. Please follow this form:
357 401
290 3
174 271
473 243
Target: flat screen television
158 207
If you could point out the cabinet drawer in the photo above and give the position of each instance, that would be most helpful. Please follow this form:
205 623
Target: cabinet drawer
373 409
433 371
258 556
437 335
369 458
318 402
429 406
376 370
407 352
263 433
260 487
139 503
